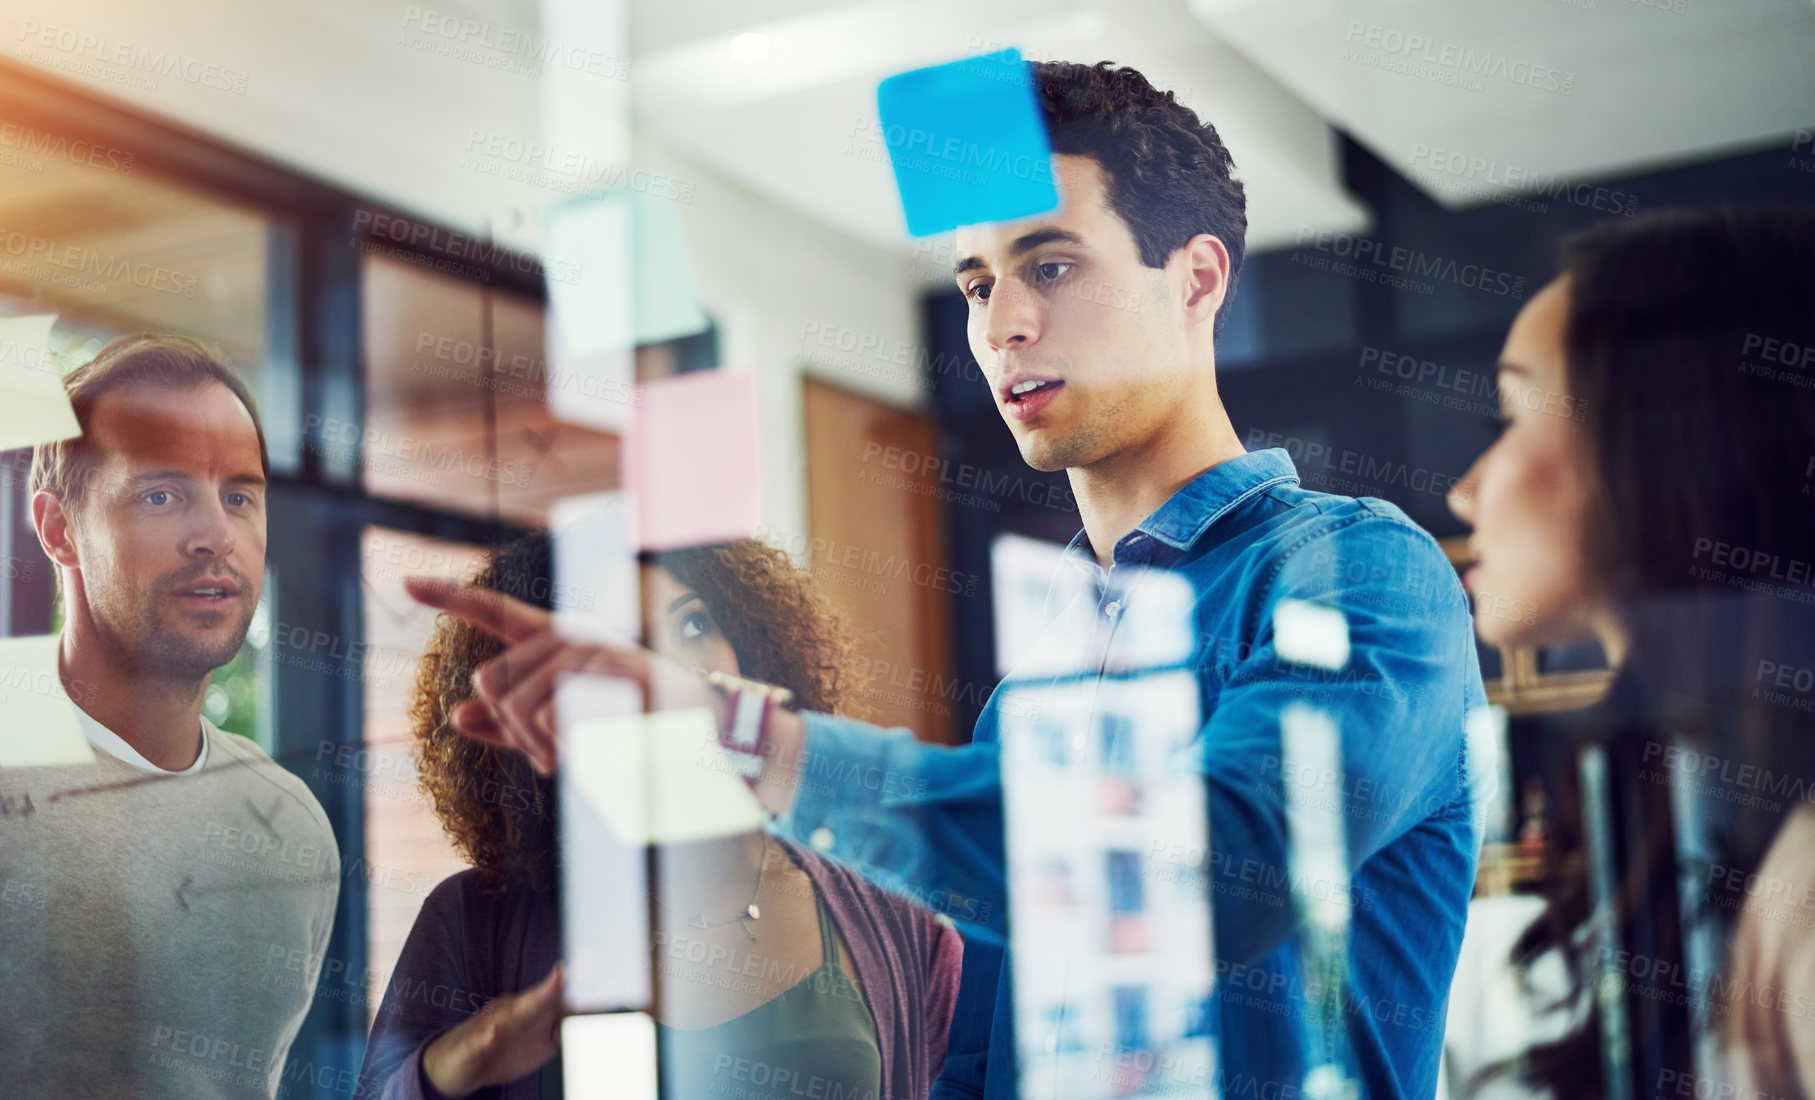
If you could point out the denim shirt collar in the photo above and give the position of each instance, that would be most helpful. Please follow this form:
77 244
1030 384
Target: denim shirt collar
1175 525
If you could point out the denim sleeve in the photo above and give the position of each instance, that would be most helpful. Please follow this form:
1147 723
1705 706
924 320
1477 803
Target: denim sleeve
923 821
1399 703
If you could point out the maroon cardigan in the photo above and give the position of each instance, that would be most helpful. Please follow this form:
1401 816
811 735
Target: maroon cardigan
467 948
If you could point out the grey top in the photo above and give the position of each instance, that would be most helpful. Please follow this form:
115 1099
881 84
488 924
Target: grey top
163 932
817 1038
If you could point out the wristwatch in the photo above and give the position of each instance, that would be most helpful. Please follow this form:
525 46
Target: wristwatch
745 736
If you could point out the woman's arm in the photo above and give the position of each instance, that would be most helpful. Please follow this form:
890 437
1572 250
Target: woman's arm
430 992
446 1031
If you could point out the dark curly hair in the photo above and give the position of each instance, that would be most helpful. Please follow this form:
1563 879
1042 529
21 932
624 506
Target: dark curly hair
1168 173
498 812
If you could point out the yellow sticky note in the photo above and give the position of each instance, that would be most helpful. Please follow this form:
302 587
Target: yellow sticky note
38 724
684 790
34 408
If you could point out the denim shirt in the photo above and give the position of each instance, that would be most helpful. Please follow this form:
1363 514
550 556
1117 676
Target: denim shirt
926 820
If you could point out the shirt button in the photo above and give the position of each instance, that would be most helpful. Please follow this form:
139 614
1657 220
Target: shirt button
1114 608
822 839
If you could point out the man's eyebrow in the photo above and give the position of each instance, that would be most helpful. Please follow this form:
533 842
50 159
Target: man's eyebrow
1027 242
683 599
1022 245
255 480
163 475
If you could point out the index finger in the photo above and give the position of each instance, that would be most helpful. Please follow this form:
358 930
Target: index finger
508 618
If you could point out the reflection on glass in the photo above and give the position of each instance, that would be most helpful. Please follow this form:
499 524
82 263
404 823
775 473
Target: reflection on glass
456 406
117 251
407 851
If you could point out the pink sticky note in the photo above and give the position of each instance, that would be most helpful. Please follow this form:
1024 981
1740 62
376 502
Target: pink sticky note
691 461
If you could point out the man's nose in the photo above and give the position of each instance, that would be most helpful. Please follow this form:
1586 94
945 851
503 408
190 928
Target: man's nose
1014 317
210 535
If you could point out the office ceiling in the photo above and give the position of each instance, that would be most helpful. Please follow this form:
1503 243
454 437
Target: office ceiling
1476 100
1472 101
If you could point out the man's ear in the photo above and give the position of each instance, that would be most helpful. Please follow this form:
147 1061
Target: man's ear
1206 277
55 534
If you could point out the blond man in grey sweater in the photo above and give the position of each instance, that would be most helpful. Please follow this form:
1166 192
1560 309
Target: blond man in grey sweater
164 910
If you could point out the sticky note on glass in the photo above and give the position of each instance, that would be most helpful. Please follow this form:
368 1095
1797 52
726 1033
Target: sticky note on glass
968 143
34 408
1305 633
611 1055
1316 823
595 562
604 936
618 278
38 726
692 462
685 789
618 272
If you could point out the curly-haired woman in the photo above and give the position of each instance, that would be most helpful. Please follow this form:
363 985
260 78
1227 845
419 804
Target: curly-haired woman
769 956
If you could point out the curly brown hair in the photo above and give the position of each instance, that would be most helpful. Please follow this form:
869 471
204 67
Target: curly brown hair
498 812
1168 174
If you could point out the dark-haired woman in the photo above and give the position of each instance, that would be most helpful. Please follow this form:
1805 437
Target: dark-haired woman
1651 491
851 989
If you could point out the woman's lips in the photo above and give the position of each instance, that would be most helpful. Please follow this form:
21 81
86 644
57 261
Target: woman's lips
1030 406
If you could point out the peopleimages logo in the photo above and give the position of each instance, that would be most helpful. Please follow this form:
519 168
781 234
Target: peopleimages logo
908 145
369 226
57 147
128 57
81 261
1772 359
566 169
1366 253
1389 48
1495 178
1311 457
457 30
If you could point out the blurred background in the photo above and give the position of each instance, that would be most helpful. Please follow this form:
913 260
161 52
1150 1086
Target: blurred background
347 198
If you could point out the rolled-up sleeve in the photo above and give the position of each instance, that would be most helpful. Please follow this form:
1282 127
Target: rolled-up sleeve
925 821
922 821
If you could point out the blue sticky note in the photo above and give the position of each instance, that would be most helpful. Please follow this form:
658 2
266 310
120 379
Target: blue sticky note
968 143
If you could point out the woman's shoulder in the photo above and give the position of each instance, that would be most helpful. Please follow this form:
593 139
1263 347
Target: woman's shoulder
848 893
474 904
490 934
457 892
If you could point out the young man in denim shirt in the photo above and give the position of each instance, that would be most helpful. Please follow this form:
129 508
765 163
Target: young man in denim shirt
1095 328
